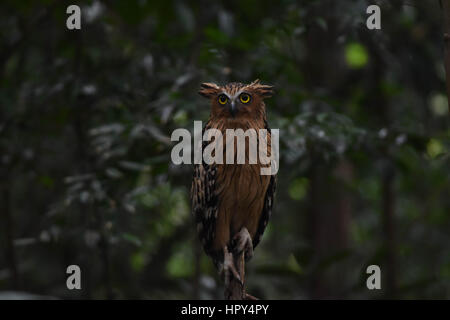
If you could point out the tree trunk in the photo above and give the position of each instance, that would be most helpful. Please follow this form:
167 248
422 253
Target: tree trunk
388 203
9 237
445 5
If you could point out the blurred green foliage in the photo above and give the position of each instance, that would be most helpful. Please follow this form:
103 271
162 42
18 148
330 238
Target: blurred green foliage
85 124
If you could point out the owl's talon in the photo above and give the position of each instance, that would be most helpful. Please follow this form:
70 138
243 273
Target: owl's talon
242 241
228 268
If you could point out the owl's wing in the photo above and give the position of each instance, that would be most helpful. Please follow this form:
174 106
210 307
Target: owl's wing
204 200
268 204
267 210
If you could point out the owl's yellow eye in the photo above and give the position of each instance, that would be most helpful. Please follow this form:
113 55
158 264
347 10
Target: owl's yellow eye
245 98
223 99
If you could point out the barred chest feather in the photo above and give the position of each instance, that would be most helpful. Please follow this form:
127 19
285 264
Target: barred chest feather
241 188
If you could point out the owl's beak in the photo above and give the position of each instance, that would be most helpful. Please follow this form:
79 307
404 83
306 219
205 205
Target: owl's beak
233 108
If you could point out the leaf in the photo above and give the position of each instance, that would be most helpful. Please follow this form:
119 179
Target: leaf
356 55
132 239
321 22
434 148
327 262
113 173
298 188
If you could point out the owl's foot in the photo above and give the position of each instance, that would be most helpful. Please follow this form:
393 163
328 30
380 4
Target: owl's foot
228 269
242 241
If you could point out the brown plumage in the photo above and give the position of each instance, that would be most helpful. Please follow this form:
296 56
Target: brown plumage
229 197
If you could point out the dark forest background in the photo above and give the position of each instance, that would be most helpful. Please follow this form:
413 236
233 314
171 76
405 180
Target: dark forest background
85 124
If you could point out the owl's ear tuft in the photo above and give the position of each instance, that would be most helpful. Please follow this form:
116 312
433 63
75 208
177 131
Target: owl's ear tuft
263 90
208 89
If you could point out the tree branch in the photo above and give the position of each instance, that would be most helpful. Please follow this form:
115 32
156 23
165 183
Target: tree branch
236 289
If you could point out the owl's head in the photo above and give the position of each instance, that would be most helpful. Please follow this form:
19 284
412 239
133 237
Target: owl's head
237 100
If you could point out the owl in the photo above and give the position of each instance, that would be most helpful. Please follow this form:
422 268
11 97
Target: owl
232 203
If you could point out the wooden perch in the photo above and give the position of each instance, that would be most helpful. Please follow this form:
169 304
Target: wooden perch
236 289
